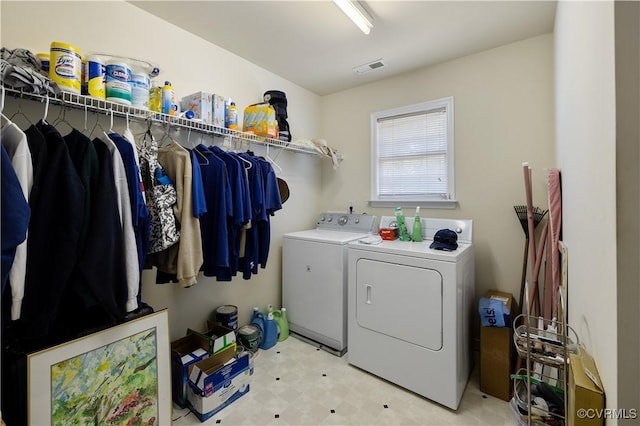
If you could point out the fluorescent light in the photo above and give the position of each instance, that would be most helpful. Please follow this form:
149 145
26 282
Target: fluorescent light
356 13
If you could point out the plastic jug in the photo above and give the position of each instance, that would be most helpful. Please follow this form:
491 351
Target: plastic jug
270 333
258 320
280 317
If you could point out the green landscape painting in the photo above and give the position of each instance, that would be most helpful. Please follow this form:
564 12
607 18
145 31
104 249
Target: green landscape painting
116 384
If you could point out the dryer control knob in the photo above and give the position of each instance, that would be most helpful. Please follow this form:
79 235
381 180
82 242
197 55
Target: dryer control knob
330 219
458 230
322 219
357 220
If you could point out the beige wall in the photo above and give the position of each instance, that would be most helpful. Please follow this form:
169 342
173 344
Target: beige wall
586 153
191 64
503 116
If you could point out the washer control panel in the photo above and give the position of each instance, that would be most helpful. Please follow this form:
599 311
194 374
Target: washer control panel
346 222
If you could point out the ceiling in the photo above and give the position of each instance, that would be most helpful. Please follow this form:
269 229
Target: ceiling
314 45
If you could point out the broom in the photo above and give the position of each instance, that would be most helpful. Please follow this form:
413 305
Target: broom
538 215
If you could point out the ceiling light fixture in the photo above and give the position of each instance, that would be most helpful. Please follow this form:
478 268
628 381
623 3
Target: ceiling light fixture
356 13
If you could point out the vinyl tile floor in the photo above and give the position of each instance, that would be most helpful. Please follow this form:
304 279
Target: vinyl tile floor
296 383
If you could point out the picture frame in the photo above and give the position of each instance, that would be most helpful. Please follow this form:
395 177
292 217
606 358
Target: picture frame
113 376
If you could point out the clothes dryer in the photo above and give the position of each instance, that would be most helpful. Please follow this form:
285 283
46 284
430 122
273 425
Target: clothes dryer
410 310
314 278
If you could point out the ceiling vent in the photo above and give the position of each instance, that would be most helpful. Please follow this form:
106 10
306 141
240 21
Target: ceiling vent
375 65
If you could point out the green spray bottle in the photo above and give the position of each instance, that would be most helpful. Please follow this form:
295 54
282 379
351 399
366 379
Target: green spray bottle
417 227
402 226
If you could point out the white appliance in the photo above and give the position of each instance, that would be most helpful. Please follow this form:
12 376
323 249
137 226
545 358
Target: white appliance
410 311
314 277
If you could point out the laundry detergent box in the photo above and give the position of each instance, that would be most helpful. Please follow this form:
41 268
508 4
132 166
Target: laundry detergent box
218 336
201 103
217 110
184 352
216 382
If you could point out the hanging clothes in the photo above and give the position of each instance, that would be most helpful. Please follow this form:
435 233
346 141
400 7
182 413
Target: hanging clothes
185 258
15 220
139 210
272 203
248 264
213 224
15 142
132 264
199 200
54 230
236 214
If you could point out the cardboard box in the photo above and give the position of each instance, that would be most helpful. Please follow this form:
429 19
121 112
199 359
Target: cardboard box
201 103
218 337
217 110
585 391
497 353
216 382
204 407
185 352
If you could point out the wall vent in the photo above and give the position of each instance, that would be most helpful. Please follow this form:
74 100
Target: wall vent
374 65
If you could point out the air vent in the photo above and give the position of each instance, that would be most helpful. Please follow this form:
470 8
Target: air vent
363 69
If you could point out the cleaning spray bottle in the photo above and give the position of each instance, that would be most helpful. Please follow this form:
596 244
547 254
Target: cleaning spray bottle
402 227
417 227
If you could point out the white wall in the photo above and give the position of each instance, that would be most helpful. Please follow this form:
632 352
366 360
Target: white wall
586 154
191 64
503 116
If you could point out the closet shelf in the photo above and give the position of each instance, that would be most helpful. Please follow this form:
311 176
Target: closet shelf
72 100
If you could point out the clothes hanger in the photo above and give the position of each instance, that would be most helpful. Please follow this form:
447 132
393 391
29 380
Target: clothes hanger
62 119
46 109
273 161
19 112
85 120
7 121
96 125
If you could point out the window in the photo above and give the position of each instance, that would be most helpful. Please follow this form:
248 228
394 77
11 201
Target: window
412 155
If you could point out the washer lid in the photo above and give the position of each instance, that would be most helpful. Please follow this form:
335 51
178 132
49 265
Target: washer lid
319 235
409 248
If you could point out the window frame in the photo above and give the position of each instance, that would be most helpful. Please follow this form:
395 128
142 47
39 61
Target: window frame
444 202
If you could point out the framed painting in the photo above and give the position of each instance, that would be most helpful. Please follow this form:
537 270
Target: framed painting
121 375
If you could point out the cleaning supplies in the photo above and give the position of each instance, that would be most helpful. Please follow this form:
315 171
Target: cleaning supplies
231 115
283 323
270 333
168 99
257 319
417 227
402 227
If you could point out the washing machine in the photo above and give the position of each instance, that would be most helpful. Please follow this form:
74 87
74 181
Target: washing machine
410 310
314 278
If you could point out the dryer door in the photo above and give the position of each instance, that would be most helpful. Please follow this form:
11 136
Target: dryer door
400 301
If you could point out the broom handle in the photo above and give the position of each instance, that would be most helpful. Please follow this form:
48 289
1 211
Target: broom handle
524 271
536 268
530 221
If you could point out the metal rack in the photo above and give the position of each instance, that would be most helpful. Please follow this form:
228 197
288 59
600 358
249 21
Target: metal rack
543 351
88 103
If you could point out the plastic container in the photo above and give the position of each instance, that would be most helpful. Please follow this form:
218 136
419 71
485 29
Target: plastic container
155 97
257 319
44 61
280 316
65 67
96 76
402 226
270 337
118 82
231 115
416 235
140 90
168 99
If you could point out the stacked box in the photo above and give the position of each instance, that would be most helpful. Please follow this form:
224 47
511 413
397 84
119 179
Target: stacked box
201 103
185 352
216 382
218 110
218 337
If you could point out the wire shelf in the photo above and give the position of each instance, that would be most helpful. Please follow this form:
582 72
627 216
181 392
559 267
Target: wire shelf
75 101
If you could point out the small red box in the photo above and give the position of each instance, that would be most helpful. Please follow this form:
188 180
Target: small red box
389 233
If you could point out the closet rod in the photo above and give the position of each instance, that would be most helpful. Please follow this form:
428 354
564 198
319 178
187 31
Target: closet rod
72 100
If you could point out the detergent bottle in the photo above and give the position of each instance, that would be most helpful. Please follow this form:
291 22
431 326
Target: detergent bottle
257 319
270 333
402 226
283 323
417 227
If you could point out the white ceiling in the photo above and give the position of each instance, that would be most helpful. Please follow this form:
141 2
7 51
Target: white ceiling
313 44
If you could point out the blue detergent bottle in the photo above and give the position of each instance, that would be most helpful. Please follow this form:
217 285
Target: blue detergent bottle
270 333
